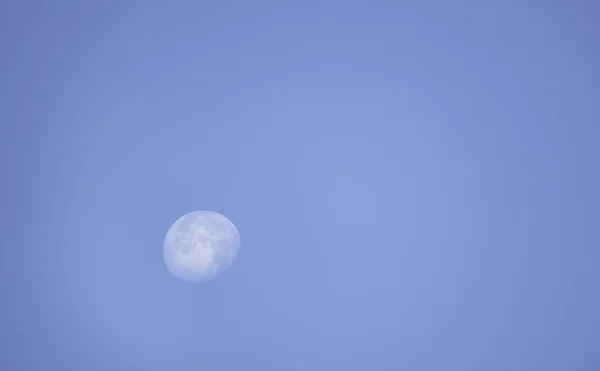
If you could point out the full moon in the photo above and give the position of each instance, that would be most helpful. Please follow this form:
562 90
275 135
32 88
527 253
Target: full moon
199 245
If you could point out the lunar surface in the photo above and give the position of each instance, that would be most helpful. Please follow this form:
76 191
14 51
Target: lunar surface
199 245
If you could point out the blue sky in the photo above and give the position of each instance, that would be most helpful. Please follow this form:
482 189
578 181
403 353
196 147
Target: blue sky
415 184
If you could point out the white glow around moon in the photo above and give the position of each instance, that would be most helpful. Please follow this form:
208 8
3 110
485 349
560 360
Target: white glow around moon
199 245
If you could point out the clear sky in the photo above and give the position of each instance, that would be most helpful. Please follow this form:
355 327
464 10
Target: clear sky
415 184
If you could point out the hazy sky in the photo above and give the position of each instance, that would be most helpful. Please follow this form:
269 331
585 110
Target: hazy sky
415 184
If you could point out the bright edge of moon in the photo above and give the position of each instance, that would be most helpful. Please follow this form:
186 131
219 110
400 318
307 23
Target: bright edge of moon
199 245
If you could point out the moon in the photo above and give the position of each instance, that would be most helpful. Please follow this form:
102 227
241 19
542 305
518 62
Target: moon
199 245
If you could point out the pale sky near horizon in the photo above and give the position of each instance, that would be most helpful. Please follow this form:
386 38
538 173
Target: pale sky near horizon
416 186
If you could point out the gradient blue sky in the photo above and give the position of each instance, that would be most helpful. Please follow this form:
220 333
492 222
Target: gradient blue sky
415 184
